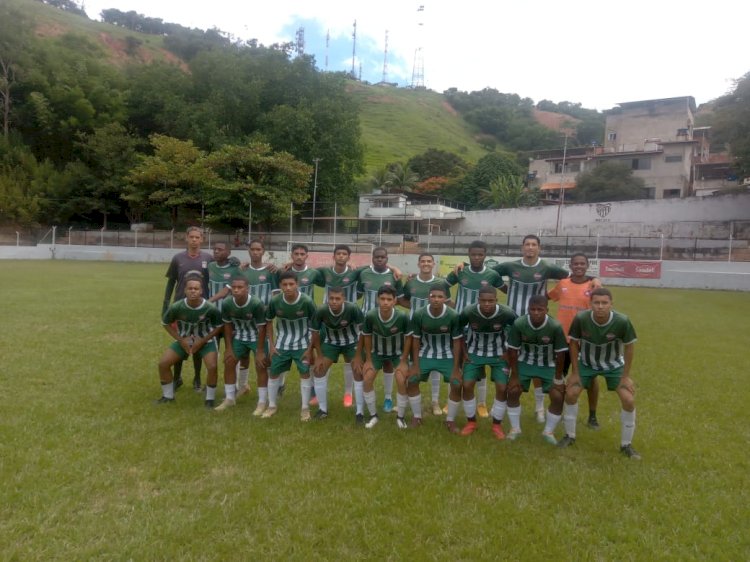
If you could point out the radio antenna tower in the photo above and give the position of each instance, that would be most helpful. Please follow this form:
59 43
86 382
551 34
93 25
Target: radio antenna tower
300 38
354 49
385 59
328 42
417 73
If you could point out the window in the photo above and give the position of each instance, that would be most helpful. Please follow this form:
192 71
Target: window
641 164
611 136
569 167
649 192
671 193
673 158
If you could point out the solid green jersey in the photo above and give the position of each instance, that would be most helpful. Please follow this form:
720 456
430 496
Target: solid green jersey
601 345
292 321
340 329
485 335
387 335
418 292
220 276
525 281
307 279
537 345
469 282
347 280
263 283
436 333
245 319
369 283
199 321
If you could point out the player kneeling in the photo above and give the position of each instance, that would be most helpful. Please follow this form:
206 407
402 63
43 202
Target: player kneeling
600 336
536 350
196 323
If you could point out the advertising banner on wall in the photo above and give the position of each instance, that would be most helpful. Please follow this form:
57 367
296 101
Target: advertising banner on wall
630 269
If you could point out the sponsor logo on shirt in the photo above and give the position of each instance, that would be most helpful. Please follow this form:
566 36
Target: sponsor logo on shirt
474 325
262 278
497 326
345 280
300 313
537 276
516 274
344 323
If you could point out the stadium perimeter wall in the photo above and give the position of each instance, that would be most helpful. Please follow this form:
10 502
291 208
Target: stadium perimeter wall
730 276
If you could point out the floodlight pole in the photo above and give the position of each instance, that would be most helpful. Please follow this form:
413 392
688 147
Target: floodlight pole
561 200
315 195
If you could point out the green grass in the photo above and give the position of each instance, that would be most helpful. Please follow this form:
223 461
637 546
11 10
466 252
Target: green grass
91 469
398 123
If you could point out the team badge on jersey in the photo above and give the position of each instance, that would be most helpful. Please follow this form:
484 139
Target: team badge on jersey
537 276
611 336
546 339
443 328
394 329
262 278
474 326
300 313
344 323
345 280
496 326
305 280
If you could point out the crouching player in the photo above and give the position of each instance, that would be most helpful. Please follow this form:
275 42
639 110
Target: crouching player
196 324
335 332
485 324
600 336
536 349
244 320
385 337
436 345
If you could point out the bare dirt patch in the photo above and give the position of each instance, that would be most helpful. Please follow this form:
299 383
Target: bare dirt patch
554 121
50 30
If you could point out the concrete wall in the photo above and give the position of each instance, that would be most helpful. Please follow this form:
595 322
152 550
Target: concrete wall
671 217
675 274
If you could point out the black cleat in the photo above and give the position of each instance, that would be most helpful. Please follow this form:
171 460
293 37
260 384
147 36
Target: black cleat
629 452
177 382
164 400
360 419
282 388
321 415
566 441
209 404
593 423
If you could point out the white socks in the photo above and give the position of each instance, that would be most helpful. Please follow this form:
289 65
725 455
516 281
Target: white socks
628 427
370 401
481 389
359 397
167 390
242 377
470 408
435 378
230 391
498 410
273 391
570 416
452 410
262 395
401 401
538 399
321 391
211 392
551 423
514 415
305 388
388 385
416 405
348 378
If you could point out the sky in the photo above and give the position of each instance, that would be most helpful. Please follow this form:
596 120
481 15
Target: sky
596 53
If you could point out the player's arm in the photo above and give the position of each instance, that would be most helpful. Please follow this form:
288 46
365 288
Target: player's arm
228 338
574 378
261 359
456 375
628 355
317 357
559 366
554 293
221 295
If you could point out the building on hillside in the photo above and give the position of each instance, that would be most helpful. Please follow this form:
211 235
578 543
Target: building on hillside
656 139
399 213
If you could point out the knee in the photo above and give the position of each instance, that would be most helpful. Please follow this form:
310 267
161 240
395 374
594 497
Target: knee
514 394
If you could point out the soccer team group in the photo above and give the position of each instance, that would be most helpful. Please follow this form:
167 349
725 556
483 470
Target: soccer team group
268 314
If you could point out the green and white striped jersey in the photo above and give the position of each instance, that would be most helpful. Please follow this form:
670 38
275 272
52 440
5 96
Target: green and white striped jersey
292 321
436 333
263 283
220 276
347 280
342 329
307 279
602 344
198 322
387 335
469 282
485 335
537 346
245 318
418 292
370 282
525 281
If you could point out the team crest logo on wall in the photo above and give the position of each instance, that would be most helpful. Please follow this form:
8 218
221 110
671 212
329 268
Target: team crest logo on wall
603 209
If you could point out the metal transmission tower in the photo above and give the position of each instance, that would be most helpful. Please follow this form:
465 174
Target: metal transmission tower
385 60
300 40
417 73
328 42
354 49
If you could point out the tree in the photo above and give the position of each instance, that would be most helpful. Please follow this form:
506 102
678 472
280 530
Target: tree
436 163
255 175
508 192
732 123
401 178
177 176
379 180
489 168
609 181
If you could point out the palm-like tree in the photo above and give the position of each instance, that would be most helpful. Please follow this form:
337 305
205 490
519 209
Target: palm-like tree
402 177
506 192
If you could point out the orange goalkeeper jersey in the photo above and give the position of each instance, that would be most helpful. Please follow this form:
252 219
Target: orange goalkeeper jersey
571 299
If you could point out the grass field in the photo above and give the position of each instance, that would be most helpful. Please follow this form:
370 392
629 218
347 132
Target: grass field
90 469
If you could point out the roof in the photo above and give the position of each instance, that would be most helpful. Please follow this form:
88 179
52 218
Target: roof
688 99
556 185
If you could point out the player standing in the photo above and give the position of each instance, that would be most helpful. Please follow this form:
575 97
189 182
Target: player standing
602 342
290 342
193 323
536 350
485 324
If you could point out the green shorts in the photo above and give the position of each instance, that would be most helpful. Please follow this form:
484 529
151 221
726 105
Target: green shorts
281 362
242 349
588 375
210 347
527 372
426 366
378 360
474 370
332 352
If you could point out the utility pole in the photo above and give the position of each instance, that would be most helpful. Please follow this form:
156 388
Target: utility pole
315 195
561 199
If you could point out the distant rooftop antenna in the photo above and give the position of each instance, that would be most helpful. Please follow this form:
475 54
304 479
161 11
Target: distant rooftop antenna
328 42
300 38
417 73
354 49
385 59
